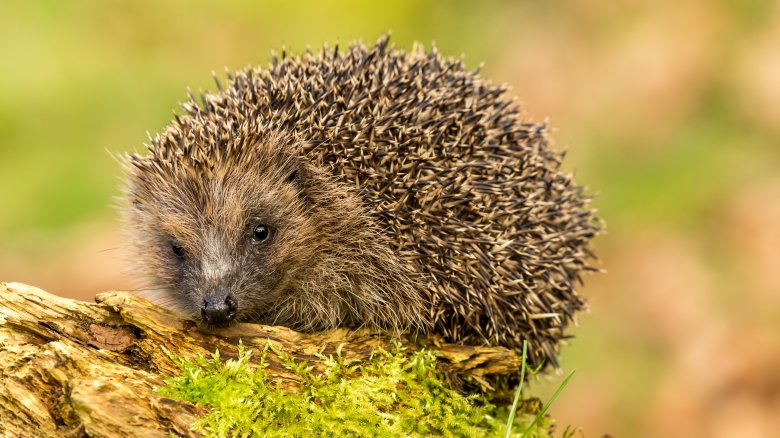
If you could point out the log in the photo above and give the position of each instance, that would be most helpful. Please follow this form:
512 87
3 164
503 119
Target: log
70 368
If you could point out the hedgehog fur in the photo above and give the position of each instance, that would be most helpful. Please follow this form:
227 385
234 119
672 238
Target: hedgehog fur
453 205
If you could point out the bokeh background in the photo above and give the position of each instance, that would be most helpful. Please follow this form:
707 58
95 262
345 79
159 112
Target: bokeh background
670 111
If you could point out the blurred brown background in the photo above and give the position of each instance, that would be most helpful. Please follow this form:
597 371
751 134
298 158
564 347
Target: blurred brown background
670 111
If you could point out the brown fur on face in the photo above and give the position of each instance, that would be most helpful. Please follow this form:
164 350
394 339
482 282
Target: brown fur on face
324 264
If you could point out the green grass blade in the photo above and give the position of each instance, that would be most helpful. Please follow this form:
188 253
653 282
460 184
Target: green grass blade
549 402
519 389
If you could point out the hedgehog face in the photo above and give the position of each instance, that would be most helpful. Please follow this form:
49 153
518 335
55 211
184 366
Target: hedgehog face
265 238
229 246
231 269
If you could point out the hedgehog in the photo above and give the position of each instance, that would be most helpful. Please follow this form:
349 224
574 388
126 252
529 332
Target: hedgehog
363 187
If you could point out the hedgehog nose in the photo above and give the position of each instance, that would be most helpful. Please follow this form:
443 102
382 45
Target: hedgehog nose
218 308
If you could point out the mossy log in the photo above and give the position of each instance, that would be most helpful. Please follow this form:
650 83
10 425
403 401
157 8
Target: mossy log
72 368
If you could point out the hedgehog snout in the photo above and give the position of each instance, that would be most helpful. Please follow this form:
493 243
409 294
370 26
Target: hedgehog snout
218 308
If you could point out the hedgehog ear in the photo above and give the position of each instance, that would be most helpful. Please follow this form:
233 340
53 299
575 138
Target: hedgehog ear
295 165
293 177
297 177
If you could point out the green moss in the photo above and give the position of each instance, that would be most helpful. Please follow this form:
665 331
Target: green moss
396 394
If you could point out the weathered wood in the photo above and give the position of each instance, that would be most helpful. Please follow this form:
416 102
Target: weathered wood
70 368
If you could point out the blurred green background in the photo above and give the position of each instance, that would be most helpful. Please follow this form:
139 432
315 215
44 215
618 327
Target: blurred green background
670 112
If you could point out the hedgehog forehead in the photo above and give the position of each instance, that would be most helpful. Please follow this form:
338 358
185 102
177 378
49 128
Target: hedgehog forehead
225 202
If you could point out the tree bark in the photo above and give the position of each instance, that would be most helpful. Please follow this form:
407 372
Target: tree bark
71 368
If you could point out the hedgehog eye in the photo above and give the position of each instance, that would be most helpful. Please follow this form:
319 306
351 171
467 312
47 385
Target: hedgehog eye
261 233
178 250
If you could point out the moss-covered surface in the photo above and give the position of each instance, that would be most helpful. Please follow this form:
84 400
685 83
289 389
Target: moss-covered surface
396 394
